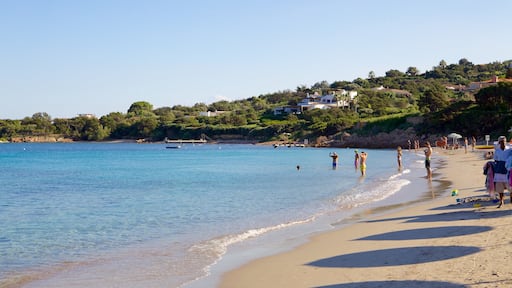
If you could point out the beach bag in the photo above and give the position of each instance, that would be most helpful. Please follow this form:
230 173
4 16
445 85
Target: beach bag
488 166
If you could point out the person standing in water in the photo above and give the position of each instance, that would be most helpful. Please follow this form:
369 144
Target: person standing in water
428 154
399 157
356 158
362 162
334 157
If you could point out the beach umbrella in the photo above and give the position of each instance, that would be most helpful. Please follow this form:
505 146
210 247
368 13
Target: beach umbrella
454 136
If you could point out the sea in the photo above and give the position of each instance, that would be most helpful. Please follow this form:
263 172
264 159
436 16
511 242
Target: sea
143 215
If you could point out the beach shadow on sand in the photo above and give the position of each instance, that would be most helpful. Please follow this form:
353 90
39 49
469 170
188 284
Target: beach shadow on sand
448 216
395 257
396 284
428 233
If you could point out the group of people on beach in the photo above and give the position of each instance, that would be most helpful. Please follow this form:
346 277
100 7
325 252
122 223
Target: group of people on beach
498 171
359 160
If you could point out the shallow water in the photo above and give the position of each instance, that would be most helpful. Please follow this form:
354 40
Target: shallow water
131 215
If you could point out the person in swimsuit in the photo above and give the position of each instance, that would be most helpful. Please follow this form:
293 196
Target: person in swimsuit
362 160
399 157
356 158
428 154
334 157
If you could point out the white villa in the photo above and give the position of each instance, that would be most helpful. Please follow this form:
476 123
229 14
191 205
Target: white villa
212 113
341 99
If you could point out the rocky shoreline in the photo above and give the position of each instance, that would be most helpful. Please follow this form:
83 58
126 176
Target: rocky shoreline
380 140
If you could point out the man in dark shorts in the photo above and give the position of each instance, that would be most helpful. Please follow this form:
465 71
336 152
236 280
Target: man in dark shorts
428 154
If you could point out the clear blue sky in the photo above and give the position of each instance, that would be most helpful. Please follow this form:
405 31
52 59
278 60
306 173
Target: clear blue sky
99 56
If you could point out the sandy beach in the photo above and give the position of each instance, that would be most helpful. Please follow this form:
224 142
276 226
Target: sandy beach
437 243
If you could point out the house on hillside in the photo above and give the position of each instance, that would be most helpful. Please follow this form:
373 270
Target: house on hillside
474 87
211 113
314 101
287 110
455 88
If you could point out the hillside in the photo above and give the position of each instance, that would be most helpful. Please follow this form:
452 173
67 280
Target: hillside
385 111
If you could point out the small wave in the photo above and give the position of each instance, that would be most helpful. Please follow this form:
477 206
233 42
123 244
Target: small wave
219 245
212 250
370 193
405 171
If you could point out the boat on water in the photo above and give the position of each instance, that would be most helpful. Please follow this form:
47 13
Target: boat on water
173 147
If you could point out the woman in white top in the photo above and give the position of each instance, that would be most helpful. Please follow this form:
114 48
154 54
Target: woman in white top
501 153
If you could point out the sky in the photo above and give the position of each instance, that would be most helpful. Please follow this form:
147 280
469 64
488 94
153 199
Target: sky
67 58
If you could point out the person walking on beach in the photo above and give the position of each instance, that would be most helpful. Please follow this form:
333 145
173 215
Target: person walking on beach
399 157
362 160
501 153
334 157
466 145
356 158
428 154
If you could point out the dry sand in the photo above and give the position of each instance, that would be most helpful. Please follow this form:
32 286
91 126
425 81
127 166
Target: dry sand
432 244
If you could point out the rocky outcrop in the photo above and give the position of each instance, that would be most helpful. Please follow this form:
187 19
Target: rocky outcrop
382 140
40 139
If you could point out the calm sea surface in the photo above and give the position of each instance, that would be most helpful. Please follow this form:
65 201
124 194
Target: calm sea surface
132 215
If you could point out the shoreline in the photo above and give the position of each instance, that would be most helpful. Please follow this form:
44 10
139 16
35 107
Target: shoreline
265 247
436 243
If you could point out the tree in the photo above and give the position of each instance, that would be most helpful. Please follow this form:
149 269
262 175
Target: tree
363 83
393 73
9 128
222 105
339 84
165 115
42 122
62 126
140 108
323 85
465 62
509 73
202 107
433 100
371 75
497 97
144 127
412 71
113 121
93 130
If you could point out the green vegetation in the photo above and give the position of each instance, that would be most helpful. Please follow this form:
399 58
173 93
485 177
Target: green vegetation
382 104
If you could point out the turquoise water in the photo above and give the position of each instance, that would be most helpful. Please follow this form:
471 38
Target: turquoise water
77 214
